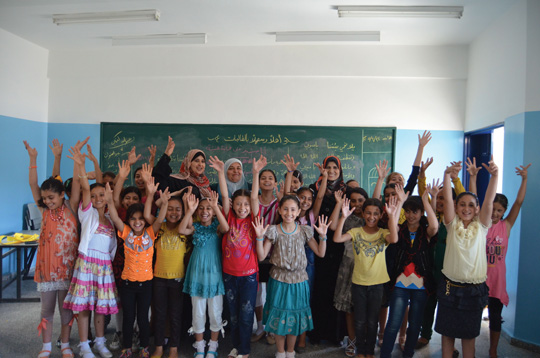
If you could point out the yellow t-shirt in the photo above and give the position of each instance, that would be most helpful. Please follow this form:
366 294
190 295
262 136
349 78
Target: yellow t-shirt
171 247
369 257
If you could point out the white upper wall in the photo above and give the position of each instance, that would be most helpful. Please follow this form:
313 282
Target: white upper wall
410 87
24 86
498 70
532 98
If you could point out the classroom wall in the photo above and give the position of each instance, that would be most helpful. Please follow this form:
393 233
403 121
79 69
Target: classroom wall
504 86
409 87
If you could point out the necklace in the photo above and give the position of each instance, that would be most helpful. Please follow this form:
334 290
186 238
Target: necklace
289 233
57 215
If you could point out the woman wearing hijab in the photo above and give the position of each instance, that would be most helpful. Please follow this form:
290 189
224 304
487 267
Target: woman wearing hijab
327 326
234 176
191 172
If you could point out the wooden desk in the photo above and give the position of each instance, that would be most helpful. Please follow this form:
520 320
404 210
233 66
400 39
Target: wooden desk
29 250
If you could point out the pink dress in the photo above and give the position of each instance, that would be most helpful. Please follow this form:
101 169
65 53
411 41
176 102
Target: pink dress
496 247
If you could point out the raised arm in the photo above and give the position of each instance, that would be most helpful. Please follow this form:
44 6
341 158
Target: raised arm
322 190
473 170
262 245
214 204
382 171
449 208
346 211
79 162
151 189
334 217
97 169
123 172
291 166
422 175
433 191
56 149
433 223
258 165
422 142
393 209
164 196
112 210
320 249
32 174
186 227
514 211
219 167
151 161
487 206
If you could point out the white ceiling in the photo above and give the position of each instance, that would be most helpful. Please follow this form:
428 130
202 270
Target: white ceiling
241 22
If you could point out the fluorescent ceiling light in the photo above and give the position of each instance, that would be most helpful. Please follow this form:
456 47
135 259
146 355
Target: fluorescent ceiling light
400 11
335 36
111 16
160 39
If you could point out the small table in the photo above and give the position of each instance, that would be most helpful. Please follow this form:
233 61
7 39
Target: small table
29 250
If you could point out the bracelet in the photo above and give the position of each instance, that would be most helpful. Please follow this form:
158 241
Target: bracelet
290 171
323 238
83 176
262 239
32 167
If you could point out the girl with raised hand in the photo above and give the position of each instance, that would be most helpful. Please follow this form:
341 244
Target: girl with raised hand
92 287
204 279
342 295
239 257
136 292
369 273
463 292
413 272
287 312
57 250
169 272
496 247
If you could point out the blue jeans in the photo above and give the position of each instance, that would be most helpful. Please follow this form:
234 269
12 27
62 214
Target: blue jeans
400 299
241 294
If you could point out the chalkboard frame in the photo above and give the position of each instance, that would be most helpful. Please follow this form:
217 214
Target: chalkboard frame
252 135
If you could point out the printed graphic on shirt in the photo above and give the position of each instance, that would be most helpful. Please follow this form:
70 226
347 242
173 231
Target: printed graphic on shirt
369 248
494 251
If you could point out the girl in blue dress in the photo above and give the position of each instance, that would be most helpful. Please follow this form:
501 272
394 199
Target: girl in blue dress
204 278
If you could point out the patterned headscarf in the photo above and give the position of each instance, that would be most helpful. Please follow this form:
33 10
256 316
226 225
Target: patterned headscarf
200 181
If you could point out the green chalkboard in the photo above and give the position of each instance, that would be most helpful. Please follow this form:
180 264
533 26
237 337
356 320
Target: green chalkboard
359 148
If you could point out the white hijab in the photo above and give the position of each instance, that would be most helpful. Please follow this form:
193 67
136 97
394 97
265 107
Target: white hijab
241 184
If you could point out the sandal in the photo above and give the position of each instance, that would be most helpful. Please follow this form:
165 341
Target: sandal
233 354
350 350
67 353
381 336
44 354
402 340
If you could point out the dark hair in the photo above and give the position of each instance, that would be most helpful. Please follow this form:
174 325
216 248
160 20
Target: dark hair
268 170
414 203
51 184
130 189
179 199
133 209
97 185
350 181
68 184
294 198
298 175
305 188
391 186
135 172
501 199
109 174
360 191
461 195
199 154
241 192
372 202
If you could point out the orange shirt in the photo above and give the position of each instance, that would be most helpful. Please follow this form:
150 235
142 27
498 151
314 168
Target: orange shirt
139 251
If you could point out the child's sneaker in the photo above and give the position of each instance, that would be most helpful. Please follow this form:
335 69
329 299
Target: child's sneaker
144 353
126 353
115 343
